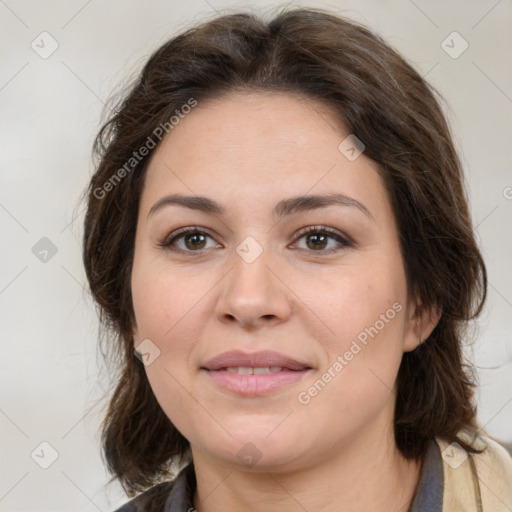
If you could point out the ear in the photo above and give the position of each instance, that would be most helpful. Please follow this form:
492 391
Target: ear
422 320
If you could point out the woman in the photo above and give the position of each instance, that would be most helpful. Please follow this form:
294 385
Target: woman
277 229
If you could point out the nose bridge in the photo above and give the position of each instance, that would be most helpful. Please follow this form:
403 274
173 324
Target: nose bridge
251 290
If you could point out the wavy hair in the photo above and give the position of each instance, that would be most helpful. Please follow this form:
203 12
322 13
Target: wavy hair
376 95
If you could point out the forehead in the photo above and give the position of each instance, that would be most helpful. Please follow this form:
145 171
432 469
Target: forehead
277 125
254 146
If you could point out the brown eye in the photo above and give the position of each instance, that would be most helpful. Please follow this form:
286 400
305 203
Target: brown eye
195 241
317 241
318 238
190 239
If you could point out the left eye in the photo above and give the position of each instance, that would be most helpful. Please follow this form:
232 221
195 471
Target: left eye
318 238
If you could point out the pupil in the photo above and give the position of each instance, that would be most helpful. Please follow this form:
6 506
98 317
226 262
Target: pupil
322 242
197 240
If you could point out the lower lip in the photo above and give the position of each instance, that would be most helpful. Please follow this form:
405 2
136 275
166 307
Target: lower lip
256 384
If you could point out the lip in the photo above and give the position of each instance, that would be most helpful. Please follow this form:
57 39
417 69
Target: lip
291 372
255 359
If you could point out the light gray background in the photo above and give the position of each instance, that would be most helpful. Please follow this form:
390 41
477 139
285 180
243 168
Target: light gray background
50 374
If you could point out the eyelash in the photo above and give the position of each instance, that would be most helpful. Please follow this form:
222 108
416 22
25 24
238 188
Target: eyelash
181 233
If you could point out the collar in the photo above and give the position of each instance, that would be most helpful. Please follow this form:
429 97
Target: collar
429 494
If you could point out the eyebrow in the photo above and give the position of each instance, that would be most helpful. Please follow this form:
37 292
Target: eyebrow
282 209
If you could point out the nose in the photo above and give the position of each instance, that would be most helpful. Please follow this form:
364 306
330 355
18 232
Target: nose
253 293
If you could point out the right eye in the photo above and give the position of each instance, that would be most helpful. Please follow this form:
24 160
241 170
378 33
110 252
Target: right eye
188 239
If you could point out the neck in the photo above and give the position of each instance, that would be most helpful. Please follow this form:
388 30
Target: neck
362 477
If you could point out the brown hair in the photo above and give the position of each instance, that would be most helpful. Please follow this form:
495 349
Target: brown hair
376 95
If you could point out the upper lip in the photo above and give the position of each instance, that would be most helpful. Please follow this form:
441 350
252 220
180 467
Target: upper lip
253 360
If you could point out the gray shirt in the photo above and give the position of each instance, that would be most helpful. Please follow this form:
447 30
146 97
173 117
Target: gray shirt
428 497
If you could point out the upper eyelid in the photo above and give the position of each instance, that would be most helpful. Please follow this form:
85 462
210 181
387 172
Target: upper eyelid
184 231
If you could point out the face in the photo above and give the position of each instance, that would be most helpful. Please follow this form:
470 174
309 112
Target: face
276 321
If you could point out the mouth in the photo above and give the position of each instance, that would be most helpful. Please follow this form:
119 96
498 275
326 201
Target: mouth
254 374
249 370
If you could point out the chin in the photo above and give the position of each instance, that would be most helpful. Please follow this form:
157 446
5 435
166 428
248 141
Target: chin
256 450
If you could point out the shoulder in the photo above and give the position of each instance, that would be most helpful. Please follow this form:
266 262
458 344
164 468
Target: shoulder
151 500
474 478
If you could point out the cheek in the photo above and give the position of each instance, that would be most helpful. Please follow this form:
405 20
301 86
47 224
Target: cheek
365 314
356 381
169 311
165 307
360 300
164 301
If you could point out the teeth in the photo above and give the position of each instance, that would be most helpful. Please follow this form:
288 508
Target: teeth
248 370
265 369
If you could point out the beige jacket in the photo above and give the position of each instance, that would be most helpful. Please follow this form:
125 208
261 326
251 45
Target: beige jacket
476 482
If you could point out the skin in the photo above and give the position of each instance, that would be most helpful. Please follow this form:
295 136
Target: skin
248 152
